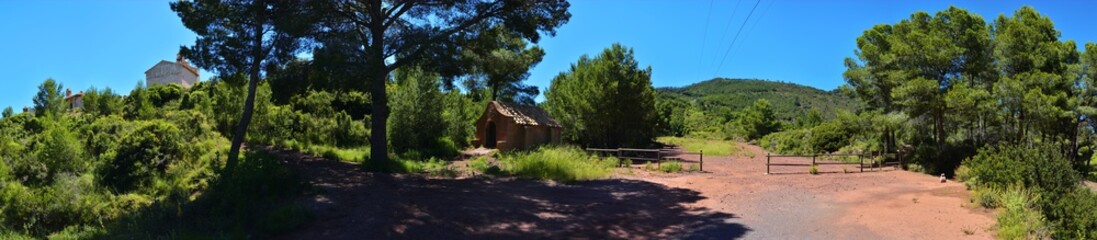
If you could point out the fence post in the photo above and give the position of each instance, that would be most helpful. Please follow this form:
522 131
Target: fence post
767 163
861 161
899 153
813 159
702 164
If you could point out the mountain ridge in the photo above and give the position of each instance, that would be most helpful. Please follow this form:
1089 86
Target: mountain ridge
788 100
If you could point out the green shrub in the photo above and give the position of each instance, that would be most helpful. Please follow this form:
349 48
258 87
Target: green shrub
787 142
963 173
829 137
670 167
694 168
161 94
1075 214
38 211
481 165
915 167
564 164
1040 168
14 235
79 232
55 151
814 169
1020 219
708 146
145 152
985 197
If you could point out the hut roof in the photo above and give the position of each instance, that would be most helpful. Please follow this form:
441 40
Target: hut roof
525 115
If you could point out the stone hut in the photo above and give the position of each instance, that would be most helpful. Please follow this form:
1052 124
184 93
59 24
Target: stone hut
178 72
75 100
510 126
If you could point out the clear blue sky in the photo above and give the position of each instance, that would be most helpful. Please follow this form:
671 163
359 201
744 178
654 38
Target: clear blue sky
112 43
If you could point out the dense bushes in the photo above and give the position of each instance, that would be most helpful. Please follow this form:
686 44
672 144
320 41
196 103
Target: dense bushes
141 154
829 137
1045 176
73 175
788 142
1041 167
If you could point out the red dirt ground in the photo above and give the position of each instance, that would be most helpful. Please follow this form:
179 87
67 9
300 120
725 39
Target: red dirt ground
733 198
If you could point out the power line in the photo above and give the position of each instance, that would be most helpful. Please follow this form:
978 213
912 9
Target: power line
736 37
704 37
730 21
755 24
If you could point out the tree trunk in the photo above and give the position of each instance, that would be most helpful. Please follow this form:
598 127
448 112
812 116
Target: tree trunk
249 102
376 66
379 117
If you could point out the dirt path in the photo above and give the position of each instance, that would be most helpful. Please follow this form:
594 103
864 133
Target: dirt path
890 204
734 199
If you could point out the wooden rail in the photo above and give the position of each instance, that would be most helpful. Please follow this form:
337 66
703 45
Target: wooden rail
659 157
860 160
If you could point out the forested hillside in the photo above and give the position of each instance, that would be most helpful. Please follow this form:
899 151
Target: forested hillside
788 100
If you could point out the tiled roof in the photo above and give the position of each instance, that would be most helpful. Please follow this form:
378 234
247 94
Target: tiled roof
525 115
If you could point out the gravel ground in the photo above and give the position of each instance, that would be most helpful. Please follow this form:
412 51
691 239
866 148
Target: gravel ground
732 199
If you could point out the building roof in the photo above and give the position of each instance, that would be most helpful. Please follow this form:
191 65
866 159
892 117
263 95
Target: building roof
524 115
78 95
188 67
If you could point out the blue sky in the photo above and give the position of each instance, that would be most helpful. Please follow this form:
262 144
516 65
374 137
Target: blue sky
112 43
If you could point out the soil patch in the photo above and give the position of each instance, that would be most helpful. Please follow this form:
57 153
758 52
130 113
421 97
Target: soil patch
732 199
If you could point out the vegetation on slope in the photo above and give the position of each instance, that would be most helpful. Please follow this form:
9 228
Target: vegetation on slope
710 147
788 100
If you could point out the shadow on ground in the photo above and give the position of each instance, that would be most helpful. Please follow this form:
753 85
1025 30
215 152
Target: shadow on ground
352 204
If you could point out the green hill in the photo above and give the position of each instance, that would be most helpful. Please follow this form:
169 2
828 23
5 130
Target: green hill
788 100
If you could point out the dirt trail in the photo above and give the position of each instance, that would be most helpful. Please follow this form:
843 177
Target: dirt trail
889 204
733 199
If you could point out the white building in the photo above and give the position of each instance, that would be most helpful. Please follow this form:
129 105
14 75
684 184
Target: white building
178 72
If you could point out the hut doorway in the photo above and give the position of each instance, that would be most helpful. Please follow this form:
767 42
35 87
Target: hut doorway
489 136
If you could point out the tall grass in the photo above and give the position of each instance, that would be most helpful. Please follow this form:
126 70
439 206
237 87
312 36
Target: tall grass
670 167
709 146
564 164
397 164
1021 219
355 154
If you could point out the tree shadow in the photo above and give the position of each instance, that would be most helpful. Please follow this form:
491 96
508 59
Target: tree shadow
352 204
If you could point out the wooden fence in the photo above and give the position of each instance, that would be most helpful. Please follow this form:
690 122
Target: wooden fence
873 165
649 155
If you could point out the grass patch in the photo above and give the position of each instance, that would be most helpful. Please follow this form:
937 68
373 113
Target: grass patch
708 146
670 167
481 165
1020 219
396 164
985 197
564 164
814 170
356 154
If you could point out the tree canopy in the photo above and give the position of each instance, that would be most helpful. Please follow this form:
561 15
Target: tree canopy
605 101
380 36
